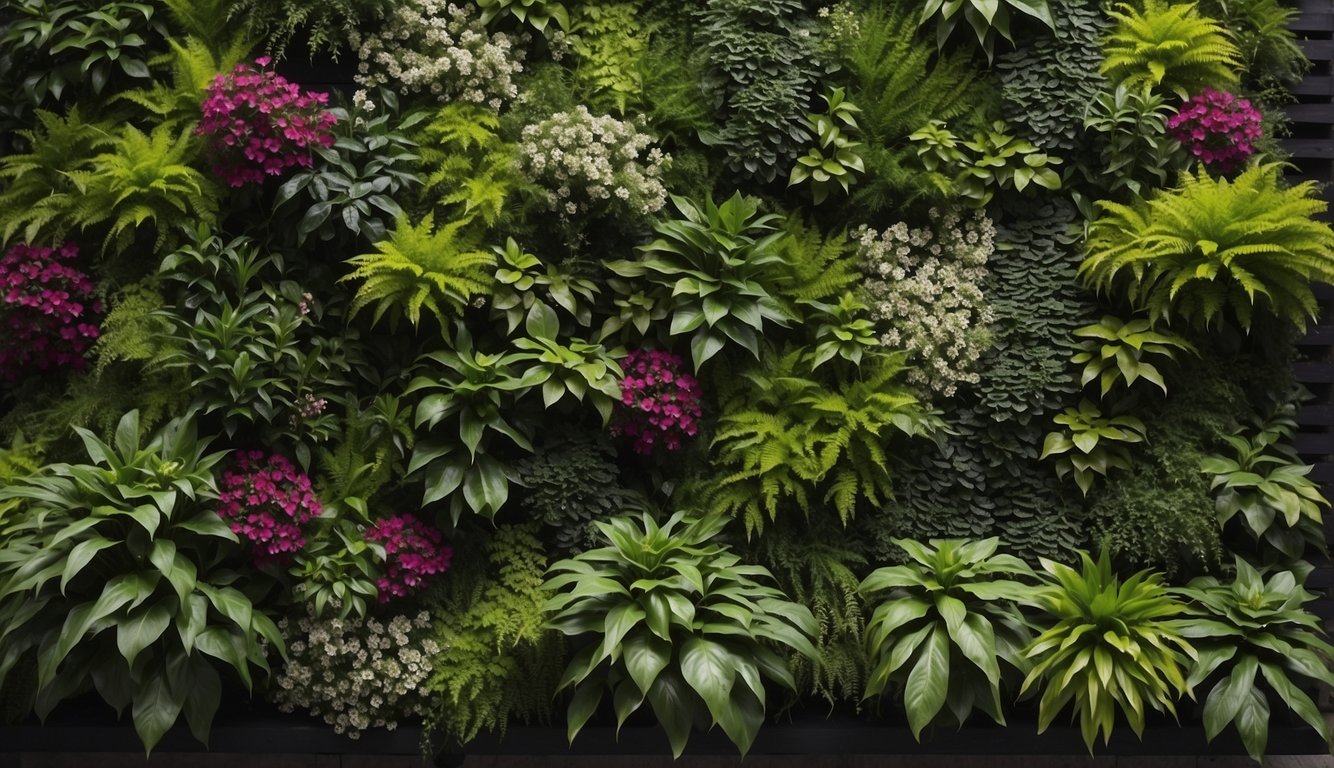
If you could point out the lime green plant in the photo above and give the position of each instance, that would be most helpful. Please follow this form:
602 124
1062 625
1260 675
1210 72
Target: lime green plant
834 161
1214 245
1107 645
1091 445
1169 46
1113 351
676 620
943 625
992 161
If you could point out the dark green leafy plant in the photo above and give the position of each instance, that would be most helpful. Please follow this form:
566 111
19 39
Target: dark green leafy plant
117 572
715 268
522 284
1114 351
1106 646
1272 59
1092 445
992 161
338 566
843 331
370 452
1255 625
567 366
987 19
326 24
835 159
676 620
1245 245
570 483
1135 154
1168 46
534 13
943 625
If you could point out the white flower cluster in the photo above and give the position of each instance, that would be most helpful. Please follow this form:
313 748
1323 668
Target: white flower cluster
443 48
924 288
589 162
356 673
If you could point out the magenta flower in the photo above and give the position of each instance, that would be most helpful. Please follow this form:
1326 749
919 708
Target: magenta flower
413 554
266 501
257 124
659 401
1217 128
47 310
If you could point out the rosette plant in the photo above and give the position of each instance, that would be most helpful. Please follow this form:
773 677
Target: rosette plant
943 625
1107 645
1257 647
115 577
673 617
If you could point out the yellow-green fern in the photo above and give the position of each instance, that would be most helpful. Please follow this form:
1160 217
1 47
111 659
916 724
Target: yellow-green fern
1214 245
1169 46
421 266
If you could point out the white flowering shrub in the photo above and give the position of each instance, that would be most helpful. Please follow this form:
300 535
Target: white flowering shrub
924 288
357 673
431 46
589 163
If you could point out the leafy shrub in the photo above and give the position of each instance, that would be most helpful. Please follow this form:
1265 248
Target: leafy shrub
986 19
1092 444
1135 151
924 288
942 626
1272 59
357 673
992 161
1113 351
1168 46
677 621
440 48
570 483
1218 128
326 25
837 167
48 310
1106 645
1255 624
129 542
335 572
535 13
258 124
1213 245
521 285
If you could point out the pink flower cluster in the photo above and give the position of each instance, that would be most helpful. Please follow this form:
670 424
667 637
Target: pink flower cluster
658 400
413 553
260 124
266 501
1218 128
47 309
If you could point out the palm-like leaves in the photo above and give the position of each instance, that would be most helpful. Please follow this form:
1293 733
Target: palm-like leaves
1255 625
679 622
1213 245
1169 46
1112 646
943 625
421 266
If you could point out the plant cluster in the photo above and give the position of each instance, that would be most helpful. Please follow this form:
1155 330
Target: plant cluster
1218 128
413 554
266 501
49 309
659 401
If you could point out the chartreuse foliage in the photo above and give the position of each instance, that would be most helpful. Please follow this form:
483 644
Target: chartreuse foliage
1114 351
115 573
469 171
1091 445
1212 246
1257 646
37 189
1169 46
716 269
1107 645
193 64
944 622
678 621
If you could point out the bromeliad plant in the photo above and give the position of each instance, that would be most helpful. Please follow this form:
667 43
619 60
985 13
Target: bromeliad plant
1257 647
1212 245
1110 646
1114 351
943 625
675 619
116 577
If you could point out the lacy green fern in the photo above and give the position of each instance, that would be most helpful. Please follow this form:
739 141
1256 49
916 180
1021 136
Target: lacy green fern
819 266
1169 46
1214 245
439 269
194 63
37 191
468 169
370 452
609 45
134 330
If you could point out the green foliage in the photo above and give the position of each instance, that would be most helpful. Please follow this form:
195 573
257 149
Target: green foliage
469 171
1169 46
1213 245
19 460
534 13
503 662
134 331
814 566
1115 351
763 74
678 621
570 366
715 269
842 331
370 451
1107 645
790 440
1272 59
986 18
835 160
37 191
422 266
1092 444
521 286
337 566
1255 624
942 626
193 65
140 178
820 266
326 24
991 162
610 46
351 189
128 542
1135 154
1262 483
569 483
673 100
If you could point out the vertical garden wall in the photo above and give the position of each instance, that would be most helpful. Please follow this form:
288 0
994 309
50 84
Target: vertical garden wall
677 365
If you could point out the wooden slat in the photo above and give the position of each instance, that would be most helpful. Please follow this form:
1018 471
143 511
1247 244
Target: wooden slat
1311 113
1314 443
1314 373
1317 50
1315 85
1317 149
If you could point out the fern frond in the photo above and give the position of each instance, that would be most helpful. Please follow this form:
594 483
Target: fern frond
1169 46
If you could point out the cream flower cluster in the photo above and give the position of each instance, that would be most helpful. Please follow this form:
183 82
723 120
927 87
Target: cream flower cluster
356 673
589 163
441 48
924 288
